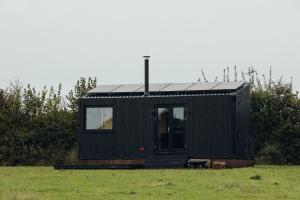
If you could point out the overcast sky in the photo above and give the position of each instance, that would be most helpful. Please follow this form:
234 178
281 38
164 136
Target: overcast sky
45 42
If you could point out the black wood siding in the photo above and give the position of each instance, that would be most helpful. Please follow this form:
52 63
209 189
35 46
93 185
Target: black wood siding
244 139
217 126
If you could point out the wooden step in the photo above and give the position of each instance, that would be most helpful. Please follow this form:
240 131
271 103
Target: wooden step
166 161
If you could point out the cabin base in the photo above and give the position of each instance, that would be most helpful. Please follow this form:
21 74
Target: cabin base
89 166
233 163
103 164
219 163
155 162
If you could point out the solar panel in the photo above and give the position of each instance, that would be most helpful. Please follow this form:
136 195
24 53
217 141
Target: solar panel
128 88
154 87
167 87
202 86
177 87
104 88
228 86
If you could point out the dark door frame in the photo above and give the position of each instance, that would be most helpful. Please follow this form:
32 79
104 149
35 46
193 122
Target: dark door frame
171 130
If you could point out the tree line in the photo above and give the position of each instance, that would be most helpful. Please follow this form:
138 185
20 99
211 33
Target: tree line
40 127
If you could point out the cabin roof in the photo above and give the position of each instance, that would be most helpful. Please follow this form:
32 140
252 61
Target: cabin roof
166 88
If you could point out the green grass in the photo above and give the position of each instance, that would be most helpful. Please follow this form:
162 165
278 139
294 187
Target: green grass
261 182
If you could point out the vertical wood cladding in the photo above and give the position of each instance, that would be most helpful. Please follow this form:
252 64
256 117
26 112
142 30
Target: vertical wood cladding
217 126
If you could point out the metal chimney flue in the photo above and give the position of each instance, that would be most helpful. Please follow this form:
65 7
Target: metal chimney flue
146 58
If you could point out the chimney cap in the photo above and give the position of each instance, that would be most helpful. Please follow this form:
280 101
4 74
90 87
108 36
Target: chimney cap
146 57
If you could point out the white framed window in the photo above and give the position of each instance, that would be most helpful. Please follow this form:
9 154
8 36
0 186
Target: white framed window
99 118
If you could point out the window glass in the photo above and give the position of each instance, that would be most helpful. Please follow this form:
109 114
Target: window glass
178 117
99 118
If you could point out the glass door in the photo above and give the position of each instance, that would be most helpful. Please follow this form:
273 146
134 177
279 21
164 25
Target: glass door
170 129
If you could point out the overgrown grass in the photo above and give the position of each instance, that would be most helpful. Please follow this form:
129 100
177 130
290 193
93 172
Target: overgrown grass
261 182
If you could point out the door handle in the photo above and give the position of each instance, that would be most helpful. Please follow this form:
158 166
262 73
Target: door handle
169 129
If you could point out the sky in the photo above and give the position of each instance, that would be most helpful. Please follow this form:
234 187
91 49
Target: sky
46 42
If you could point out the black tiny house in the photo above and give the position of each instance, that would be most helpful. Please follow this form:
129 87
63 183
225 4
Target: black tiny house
165 125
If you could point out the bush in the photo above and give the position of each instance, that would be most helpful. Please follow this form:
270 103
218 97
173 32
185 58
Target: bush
270 154
38 128
275 113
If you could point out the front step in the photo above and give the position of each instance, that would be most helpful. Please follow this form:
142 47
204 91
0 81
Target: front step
166 161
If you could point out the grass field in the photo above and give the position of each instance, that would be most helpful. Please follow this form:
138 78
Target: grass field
261 182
